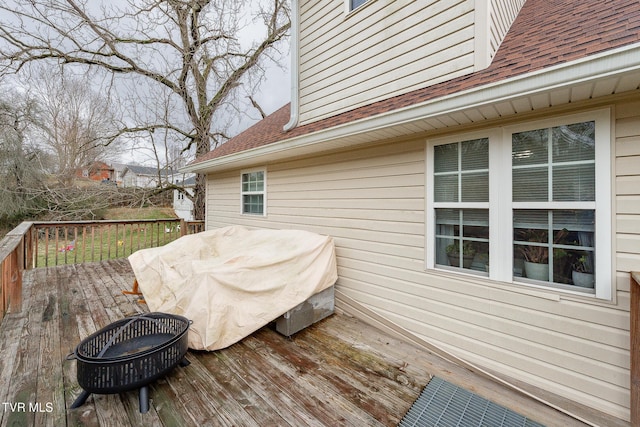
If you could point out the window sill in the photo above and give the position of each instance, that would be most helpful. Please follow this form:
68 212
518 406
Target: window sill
521 287
565 294
483 280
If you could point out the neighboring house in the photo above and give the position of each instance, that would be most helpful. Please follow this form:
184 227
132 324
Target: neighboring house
118 172
145 176
96 171
182 205
509 129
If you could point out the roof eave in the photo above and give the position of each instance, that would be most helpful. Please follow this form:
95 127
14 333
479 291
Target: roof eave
605 65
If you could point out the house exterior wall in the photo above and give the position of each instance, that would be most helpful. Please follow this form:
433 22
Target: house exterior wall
118 177
372 201
182 205
627 165
501 15
352 59
97 171
131 179
384 48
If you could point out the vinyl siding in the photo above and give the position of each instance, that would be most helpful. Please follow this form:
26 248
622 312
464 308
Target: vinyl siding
372 201
383 49
501 16
344 193
379 50
627 202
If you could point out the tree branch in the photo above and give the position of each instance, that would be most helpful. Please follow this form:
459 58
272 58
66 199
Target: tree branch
186 51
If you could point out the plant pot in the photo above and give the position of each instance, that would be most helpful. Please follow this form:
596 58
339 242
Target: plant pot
454 260
584 280
536 271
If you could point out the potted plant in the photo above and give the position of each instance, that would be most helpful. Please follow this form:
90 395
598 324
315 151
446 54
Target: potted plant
536 258
468 252
582 272
481 260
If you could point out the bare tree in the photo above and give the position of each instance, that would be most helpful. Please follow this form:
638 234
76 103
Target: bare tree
75 119
29 189
21 162
190 49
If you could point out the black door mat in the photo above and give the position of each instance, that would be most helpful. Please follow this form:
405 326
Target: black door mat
443 404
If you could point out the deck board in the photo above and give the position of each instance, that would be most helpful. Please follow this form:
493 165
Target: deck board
338 372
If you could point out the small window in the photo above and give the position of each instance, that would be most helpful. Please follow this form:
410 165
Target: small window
354 4
253 192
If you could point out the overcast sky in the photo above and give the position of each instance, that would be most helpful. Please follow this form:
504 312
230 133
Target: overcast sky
275 92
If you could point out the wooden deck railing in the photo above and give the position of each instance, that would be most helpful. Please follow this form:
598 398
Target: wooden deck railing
15 250
44 244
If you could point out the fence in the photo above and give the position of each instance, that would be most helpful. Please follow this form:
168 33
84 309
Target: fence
14 253
45 244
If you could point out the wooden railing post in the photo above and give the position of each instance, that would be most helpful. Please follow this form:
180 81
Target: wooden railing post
3 289
15 284
15 250
635 348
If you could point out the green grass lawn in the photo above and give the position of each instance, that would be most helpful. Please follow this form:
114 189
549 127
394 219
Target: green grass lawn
82 243
140 213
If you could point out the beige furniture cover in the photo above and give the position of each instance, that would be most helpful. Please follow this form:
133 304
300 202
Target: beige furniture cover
232 281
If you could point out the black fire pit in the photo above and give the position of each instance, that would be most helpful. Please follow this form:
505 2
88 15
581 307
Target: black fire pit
130 354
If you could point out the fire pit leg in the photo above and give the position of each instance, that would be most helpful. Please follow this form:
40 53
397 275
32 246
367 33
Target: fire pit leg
80 399
184 362
143 399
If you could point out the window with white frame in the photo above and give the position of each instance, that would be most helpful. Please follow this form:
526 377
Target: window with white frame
461 201
525 204
253 192
553 193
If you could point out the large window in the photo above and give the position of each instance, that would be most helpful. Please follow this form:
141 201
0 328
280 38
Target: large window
553 179
461 200
253 192
528 204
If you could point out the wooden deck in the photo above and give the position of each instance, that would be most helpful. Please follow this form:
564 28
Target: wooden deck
339 372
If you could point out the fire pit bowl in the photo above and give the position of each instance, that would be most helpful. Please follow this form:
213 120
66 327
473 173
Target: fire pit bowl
130 354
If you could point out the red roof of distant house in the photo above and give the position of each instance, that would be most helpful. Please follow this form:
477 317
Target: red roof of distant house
545 33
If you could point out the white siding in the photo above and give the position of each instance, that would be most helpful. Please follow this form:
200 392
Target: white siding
372 202
182 205
627 165
381 49
501 15
386 48
338 194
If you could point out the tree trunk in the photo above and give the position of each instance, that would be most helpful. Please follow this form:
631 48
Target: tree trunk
199 200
